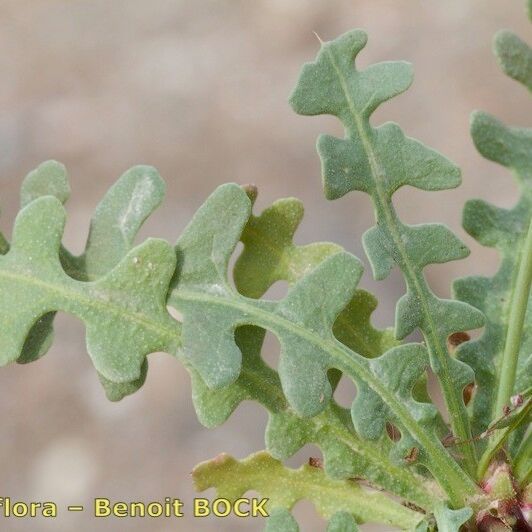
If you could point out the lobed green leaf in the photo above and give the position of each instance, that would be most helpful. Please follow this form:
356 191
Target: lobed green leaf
124 311
345 454
129 281
114 226
212 311
344 502
378 161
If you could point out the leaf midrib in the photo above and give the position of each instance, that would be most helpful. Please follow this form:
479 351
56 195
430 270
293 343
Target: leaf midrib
456 410
403 475
345 361
288 265
301 488
417 491
169 334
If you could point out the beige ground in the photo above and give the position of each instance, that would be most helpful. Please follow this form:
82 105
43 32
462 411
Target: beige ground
199 89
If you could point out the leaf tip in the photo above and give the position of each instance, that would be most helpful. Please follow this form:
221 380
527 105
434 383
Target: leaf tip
48 179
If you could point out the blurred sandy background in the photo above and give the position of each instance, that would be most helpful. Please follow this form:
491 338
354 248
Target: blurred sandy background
199 90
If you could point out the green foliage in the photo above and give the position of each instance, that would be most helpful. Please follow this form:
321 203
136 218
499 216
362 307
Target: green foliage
502 356
345 455
337 500
270 255
124 311
392 437
113 229
212 309
379 161
503 229
515 57
451 520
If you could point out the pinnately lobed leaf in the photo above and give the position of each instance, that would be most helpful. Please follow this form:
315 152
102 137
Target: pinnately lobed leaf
212 310
379 161
342 502
124 311
345 454
113 228
391 434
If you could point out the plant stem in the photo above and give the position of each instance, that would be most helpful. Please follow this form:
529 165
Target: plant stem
498 439
508 365
518 307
